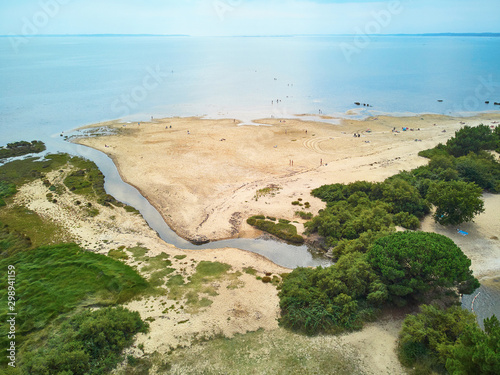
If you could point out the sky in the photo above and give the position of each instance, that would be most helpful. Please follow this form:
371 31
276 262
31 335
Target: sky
247 17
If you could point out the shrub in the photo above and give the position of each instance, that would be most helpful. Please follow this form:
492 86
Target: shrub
472 139
282 229
413 263
406 220
331 299
90 342
425 338
21 148
456 201
477 351
304 215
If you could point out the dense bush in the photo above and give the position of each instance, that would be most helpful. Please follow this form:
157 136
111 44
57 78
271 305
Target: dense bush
477 351
411 264
472 139
331 299
283 229
456 201
449 341
91 342
425 339
21 148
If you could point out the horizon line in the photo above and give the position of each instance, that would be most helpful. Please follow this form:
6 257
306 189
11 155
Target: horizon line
495 34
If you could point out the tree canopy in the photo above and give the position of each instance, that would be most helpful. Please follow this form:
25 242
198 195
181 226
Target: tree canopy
477 351
472 139
413 263
456 201
331 299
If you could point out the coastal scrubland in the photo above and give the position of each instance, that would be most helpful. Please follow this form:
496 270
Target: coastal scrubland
86 263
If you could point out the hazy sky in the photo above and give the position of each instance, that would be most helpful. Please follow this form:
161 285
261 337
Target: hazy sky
246 17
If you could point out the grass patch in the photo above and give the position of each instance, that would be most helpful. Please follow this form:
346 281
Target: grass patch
157 278
283 229
55 280
304 215
263 352
118 254
250 270
180 257
156 263
132 210
38 230
271 190
199 283
138 252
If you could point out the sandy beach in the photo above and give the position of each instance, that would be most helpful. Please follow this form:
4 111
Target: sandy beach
204 176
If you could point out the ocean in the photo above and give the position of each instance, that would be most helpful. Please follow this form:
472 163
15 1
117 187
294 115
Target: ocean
54 84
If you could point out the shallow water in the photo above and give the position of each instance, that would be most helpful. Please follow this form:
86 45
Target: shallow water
485 301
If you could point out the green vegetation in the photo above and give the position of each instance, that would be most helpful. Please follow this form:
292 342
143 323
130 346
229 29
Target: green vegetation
283 229
363 209
268 190
304 215
449 341
473 139
456 201
86 179
90 342
38 230
200 283
12 241
453 182
332 299
399 268
56 279
411 264
6 190
117 254
464 158
477 351
261 352
21 148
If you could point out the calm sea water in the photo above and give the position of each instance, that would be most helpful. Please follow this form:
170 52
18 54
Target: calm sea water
51 84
